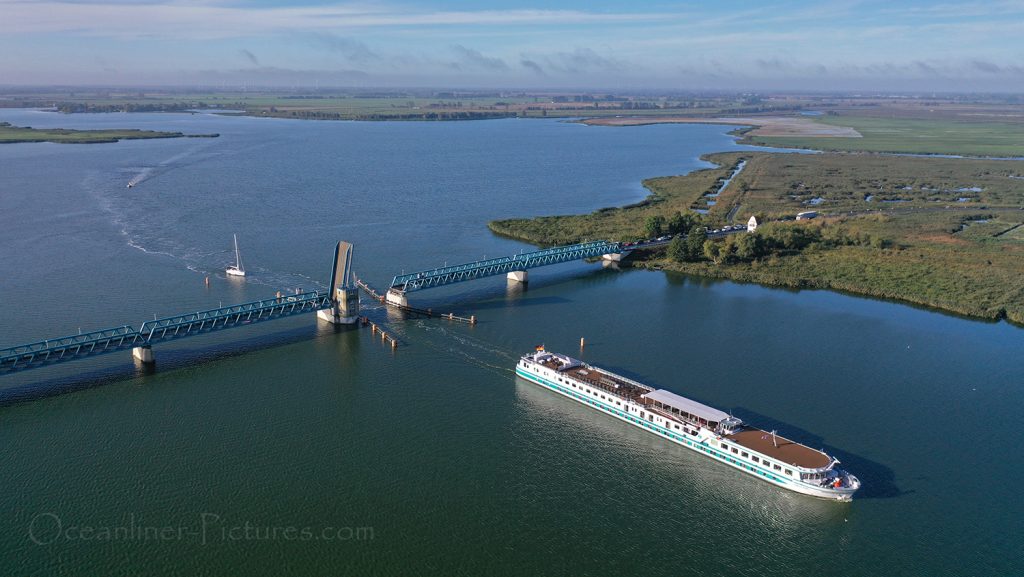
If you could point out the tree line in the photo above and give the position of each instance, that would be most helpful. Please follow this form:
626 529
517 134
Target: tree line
691 243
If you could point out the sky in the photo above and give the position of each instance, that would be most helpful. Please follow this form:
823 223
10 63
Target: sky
896 46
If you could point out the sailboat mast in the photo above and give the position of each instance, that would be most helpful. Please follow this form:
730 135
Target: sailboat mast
238 255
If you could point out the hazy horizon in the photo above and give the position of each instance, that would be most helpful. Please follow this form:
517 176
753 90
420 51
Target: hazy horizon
851 46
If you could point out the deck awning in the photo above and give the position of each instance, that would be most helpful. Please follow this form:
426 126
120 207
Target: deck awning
687 406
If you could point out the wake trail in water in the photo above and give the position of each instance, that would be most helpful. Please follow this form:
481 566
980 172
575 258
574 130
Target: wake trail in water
141 232
449 340
149 172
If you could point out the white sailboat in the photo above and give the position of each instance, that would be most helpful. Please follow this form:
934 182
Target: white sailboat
237 269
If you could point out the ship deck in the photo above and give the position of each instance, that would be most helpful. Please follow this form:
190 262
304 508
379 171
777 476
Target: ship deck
603 381
787 452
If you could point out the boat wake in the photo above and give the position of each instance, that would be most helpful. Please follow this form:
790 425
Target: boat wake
451 340
148 172
131 217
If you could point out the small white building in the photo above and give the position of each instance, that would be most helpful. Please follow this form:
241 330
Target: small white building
752 224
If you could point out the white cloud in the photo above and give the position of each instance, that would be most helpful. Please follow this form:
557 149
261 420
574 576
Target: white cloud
399 43
183 19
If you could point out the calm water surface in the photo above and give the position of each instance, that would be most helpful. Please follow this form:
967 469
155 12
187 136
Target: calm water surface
455 466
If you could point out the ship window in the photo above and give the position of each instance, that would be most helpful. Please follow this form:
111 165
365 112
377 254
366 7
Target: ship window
734 450
789 472
744 454
756 460
677 427
777 467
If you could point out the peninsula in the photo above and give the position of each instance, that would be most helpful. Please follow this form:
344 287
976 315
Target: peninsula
12 134
946 233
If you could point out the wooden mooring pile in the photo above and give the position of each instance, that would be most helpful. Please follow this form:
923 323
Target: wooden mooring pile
384 336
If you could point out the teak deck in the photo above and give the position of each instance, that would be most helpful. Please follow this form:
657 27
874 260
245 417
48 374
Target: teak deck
787 452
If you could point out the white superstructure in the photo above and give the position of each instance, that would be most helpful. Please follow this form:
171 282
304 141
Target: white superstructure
693 425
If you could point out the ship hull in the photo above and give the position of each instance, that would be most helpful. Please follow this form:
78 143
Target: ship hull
698 443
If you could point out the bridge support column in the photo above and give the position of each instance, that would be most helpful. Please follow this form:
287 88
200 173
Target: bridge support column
614 257
518 276
345 310
397 298
144 355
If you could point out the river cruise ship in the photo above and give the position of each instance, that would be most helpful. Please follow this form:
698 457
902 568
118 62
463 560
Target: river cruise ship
704 429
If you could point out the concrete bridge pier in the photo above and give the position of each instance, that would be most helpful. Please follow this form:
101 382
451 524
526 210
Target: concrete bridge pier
345 310
144 355
518 276
615 256
397 298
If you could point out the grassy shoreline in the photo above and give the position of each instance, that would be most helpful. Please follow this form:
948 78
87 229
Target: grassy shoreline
764 275
10 134
925 249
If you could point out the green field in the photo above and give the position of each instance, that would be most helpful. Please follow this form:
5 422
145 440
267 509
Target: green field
413 104
914 135
778 185
13 134
928 251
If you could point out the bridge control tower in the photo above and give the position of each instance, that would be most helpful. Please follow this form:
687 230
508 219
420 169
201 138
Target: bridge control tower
344 293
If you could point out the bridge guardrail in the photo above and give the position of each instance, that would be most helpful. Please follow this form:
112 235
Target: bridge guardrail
229 316
73 347
490 267
64 348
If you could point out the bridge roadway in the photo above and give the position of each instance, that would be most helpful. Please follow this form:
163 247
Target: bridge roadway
446 275
69 348
63 349
518 262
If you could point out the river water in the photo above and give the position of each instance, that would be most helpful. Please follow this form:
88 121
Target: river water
288 448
